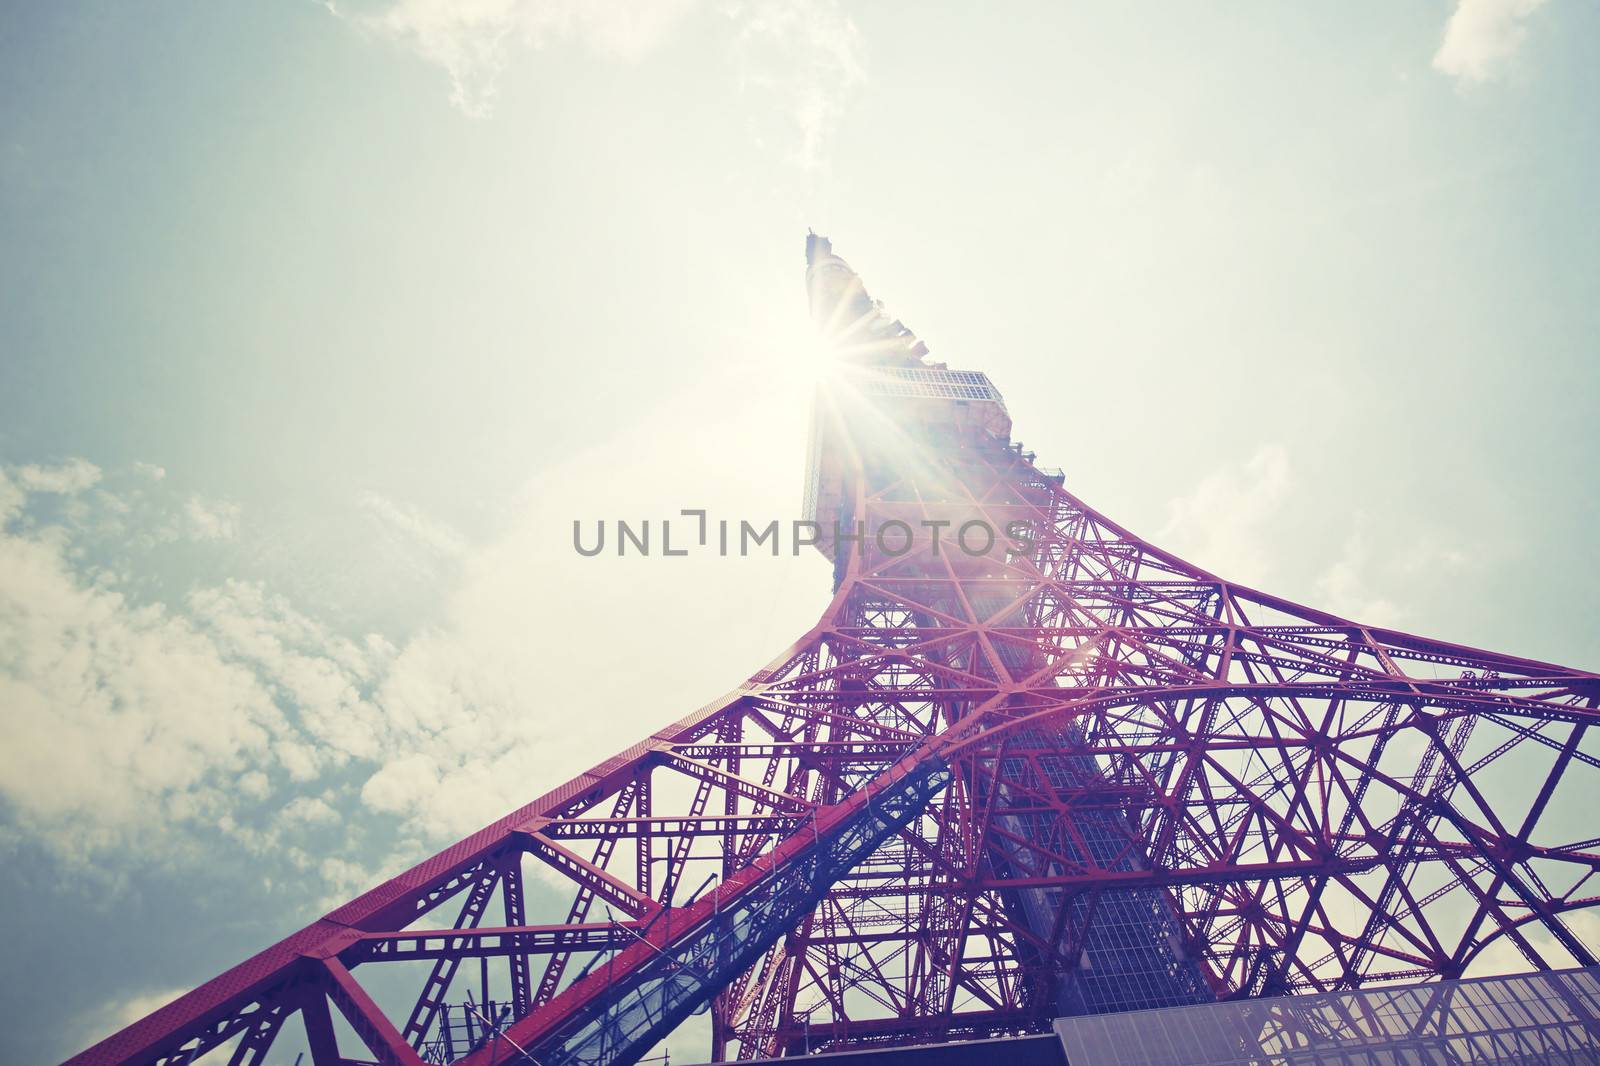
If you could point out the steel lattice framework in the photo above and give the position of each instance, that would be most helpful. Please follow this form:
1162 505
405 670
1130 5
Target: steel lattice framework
1059 772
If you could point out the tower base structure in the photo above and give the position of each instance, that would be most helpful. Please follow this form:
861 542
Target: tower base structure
1026 767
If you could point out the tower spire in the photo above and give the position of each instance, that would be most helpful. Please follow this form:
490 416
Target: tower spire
848 319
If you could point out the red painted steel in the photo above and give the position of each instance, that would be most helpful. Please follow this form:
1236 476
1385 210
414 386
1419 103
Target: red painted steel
1317 803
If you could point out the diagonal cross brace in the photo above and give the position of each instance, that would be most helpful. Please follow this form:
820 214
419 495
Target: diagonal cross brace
649 1001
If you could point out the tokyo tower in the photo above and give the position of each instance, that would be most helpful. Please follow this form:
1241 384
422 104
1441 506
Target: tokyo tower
1025 766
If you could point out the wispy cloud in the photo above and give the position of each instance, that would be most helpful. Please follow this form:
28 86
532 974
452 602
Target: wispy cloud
1502 957
808 59
1346 588
1481 38
798 63
414 525
1222 524
474 40
1351 584
1236 523
126 1010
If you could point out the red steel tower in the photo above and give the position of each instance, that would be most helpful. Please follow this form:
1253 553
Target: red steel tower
1025 765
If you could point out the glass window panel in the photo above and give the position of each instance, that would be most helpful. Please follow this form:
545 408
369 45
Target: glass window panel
1095 1044
1516 1019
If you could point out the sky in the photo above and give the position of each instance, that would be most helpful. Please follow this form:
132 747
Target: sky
320 324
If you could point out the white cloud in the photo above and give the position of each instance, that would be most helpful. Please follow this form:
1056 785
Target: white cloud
211 519
150 470
129 722
118 716
66 478
254 784
1223 524
229 709
134 724
345 879
319 673
1481 38
312 810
